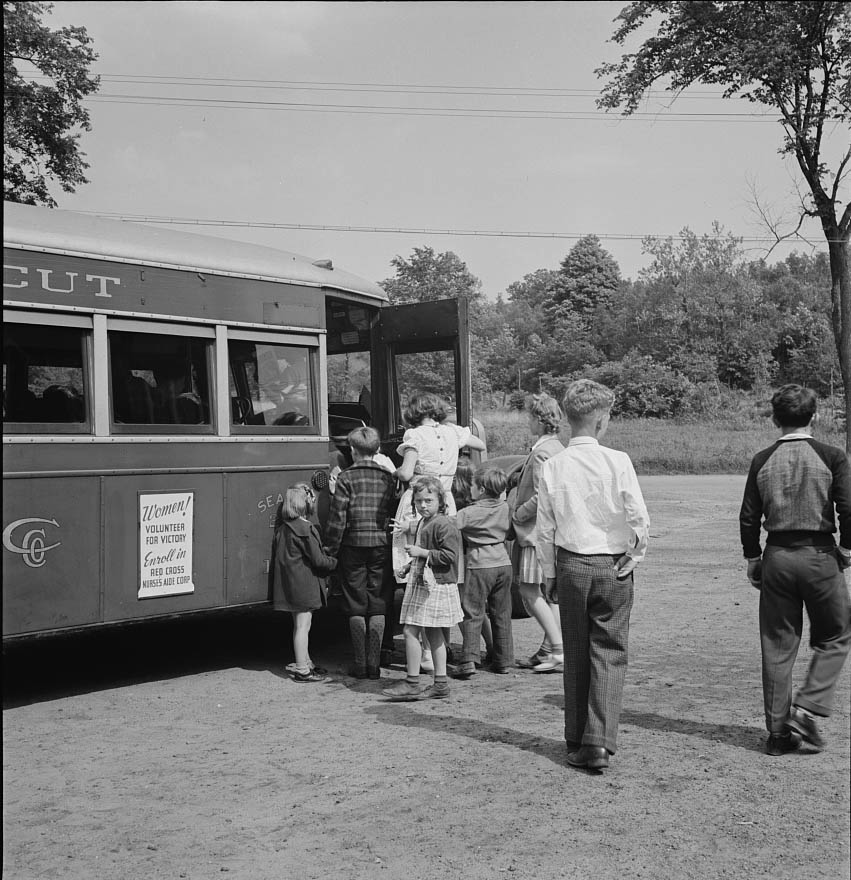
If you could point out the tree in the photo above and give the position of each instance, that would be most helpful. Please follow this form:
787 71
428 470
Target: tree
793 57
535 288
588 278
428 276
42 121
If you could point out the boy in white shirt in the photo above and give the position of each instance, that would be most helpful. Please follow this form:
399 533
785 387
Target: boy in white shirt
592 531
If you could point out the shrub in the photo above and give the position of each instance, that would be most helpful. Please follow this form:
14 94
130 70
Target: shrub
644 388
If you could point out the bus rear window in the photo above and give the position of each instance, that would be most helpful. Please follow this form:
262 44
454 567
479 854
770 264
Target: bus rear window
270 385
44 377
160 380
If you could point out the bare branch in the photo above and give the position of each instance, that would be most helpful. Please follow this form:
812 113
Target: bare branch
773 224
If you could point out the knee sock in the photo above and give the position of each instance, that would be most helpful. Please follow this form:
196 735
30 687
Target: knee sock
374 638
357 629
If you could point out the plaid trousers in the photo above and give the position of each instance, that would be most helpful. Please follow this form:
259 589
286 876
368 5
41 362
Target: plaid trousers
595 608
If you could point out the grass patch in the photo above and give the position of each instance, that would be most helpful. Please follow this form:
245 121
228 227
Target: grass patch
661 446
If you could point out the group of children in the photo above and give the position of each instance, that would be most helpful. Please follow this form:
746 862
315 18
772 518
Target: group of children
580 527
449 553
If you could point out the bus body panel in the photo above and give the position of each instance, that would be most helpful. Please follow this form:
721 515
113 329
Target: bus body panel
34 457
51 554
235 510
82 282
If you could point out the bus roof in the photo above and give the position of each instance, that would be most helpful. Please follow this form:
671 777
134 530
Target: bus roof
68 232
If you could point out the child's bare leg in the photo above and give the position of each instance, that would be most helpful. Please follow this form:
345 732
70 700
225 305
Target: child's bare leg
555 660
541 610
413 649
554 610
301 632
437 640
409 689
447 637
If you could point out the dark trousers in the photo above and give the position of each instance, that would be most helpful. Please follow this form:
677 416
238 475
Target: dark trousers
794 579
487 591
366 580
595 608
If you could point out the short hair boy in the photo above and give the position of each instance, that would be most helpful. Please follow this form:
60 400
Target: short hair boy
801 566
366 440
592 530
488 575
362 505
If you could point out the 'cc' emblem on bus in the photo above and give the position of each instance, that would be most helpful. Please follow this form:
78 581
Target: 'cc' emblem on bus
32 547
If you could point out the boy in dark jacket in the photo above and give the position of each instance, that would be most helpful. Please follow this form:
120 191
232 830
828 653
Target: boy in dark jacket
363 503
797 488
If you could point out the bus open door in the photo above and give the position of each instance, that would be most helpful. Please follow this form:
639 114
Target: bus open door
423 347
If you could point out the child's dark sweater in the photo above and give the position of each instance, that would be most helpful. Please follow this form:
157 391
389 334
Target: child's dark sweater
797 486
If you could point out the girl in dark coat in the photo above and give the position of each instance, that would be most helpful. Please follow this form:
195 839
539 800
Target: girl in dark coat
298 581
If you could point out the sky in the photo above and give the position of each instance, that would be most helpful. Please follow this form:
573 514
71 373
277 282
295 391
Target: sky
447 118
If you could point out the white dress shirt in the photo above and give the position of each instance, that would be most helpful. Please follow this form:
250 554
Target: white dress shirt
589 502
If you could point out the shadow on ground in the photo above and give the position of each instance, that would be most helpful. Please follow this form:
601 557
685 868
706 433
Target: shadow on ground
747 738
403 715
67 665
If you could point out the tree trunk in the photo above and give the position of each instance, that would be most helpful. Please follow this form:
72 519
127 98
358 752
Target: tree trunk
840 297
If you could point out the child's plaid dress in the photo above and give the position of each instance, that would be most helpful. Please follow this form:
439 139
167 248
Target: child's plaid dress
431 596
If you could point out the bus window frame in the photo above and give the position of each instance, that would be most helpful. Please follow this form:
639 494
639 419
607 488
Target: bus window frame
163 328
309 341
35 318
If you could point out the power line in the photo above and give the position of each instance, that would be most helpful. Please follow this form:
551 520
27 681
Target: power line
410 89
385 230
393 110
308 85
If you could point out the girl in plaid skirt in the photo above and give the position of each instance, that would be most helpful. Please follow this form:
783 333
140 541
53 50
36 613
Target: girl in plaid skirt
431 597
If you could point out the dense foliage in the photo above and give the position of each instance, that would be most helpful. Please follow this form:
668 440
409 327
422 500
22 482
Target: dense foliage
42 121
699 322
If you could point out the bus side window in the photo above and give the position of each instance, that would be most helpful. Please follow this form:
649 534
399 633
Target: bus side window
43 376
159 379
271 385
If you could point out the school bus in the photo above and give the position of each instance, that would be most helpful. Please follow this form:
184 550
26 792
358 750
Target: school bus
161 390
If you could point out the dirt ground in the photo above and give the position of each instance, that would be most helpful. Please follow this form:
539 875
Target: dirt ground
184 750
